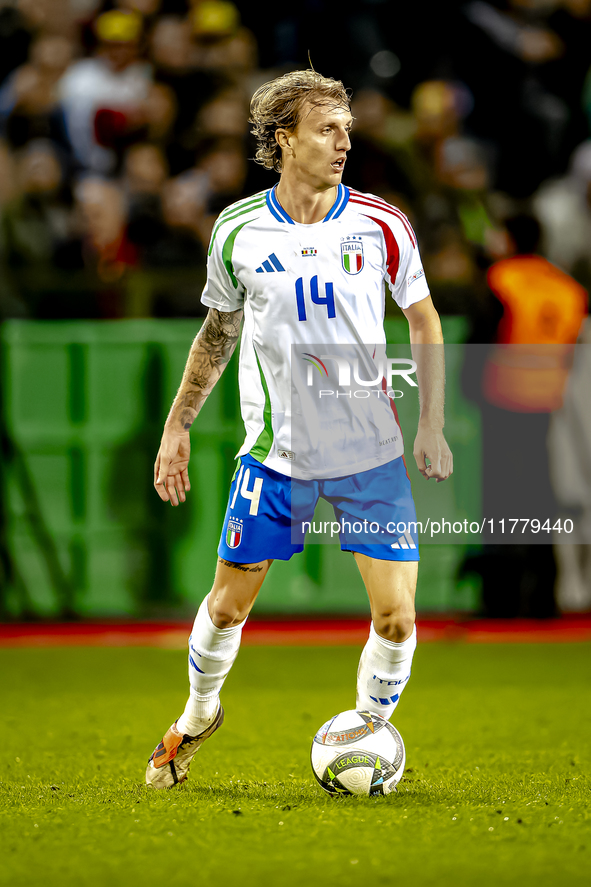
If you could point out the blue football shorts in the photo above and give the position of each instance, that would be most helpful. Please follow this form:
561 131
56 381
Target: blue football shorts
269 514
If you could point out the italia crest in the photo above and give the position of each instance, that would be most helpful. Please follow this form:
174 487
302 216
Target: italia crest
234 533
352 255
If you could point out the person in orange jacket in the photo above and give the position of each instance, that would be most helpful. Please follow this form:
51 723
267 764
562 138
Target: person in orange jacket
524 378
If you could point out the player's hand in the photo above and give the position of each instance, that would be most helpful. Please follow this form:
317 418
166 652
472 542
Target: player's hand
432 454
171 474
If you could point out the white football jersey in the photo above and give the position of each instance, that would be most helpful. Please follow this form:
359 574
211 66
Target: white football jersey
313 300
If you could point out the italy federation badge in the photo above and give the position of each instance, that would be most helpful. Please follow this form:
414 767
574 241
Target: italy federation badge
352 255
233 533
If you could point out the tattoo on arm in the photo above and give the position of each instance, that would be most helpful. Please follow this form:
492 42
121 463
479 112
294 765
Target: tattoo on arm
212 349
244 568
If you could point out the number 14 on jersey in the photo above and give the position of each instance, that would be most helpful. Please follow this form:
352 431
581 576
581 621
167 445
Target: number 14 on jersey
317 299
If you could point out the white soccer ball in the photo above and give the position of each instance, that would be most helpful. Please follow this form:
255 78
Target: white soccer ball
358 753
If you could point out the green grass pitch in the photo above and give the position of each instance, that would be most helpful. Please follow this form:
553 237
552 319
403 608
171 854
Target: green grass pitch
497 787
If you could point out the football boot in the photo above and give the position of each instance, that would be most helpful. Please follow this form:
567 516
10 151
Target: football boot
170 761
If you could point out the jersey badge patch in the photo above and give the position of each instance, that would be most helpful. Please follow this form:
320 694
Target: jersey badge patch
287 454
310 251
234 533
352 255
416 276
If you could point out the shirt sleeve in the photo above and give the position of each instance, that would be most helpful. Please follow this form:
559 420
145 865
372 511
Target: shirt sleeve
408 283
222 290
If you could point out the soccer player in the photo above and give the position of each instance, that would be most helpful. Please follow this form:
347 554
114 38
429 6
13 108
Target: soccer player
305 263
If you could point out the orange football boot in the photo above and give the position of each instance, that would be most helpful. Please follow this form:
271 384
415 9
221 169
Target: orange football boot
170 761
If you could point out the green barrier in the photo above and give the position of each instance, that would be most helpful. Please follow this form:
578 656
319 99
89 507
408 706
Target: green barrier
83 532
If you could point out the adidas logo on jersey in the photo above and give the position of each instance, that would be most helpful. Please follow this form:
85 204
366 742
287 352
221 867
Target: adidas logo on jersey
405 541
270 264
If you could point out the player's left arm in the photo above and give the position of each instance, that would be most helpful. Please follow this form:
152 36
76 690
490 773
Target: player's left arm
426 340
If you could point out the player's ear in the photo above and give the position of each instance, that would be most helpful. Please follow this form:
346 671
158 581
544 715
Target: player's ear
282 137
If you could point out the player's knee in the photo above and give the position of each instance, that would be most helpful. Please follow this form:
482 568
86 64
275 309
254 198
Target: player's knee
225 617
225 611
395 627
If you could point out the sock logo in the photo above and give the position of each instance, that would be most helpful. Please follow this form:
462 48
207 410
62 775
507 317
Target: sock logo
390 683
388 700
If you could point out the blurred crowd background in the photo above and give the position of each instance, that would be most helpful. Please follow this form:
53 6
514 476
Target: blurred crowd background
124 132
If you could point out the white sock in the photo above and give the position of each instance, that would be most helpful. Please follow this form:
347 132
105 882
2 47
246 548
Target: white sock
384 669
212 652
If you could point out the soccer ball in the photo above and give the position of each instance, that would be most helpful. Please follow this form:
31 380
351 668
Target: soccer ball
358 753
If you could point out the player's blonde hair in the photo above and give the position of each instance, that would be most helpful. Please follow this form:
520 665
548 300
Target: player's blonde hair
277 105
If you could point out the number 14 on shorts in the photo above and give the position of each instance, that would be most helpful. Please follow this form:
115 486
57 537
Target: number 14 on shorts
254 495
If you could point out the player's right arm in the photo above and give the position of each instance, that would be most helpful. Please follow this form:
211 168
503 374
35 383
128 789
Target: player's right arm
210 352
